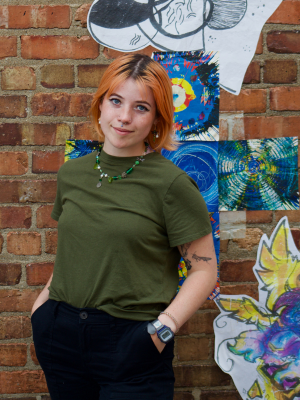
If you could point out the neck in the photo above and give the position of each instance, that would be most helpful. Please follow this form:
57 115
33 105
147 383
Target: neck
124 152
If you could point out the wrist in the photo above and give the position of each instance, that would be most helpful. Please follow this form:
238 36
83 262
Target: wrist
165 320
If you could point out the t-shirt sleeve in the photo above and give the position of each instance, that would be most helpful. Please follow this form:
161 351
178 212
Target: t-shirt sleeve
185 212
57 208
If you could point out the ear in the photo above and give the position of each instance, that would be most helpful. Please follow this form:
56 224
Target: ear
207 8
100 105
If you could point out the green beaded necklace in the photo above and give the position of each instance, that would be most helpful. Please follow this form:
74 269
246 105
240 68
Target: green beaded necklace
124 174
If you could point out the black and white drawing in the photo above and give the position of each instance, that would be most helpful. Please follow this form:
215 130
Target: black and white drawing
229 26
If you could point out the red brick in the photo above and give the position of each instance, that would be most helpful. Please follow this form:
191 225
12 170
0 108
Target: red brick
253 73
288 12
238 130
85 130
193 349
1 242
248 101
35 16
183 396
13 354
24 243
269 127
284 41
13 300
10 134
13 163
280 71
285 98
43 217
200 375
199 323
18 78
81 14
90 75
293 216
259 217
15 327
223 129
237 271
51 242
250 289
260 45
296 236
45 134
47 161
13 106
220 395
33 354
38 273
57 76
8 46
224 246
31 191
58 47
15 217
10 274
22 381
61 104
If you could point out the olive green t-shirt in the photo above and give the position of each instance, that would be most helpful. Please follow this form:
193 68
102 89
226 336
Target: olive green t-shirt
117 245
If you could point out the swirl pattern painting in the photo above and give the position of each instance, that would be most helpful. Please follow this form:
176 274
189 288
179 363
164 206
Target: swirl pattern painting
199 160
195 83
258 174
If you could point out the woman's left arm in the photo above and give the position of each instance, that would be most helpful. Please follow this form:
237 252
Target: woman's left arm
201 263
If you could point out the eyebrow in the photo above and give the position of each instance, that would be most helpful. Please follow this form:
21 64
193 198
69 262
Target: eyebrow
138 101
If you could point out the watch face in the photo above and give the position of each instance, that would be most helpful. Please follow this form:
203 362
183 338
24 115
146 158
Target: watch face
166 335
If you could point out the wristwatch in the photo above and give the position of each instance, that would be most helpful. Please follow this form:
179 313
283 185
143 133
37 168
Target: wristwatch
164 333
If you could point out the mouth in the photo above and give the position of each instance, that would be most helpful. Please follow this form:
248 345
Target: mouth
122 131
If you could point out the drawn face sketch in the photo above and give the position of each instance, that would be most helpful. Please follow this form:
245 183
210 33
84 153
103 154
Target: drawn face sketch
231 27
172 25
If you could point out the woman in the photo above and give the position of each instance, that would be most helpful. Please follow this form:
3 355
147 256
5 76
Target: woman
103 326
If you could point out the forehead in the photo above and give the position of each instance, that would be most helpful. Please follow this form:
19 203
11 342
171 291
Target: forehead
134 90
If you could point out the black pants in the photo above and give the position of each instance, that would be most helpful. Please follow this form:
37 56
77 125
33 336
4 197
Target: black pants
88 354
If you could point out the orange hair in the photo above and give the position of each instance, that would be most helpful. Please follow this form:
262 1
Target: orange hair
147 72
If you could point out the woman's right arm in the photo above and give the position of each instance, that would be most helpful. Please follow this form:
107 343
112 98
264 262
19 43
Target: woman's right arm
43 296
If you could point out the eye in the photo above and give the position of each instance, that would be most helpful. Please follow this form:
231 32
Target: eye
115 101
142 108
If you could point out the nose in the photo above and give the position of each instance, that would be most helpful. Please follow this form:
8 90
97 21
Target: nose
125 116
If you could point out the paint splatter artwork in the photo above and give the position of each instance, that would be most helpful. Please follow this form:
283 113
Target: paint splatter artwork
258 342
195 83
215 224
78 148
199 160
258 174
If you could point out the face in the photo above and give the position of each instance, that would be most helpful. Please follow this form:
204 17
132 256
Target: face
133 107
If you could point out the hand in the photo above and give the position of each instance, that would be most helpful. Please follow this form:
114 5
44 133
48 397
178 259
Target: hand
157 342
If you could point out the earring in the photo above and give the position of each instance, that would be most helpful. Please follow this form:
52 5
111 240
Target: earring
155 134
99 120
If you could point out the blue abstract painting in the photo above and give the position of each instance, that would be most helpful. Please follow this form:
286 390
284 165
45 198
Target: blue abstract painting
195 82
76 148
258 174
200 161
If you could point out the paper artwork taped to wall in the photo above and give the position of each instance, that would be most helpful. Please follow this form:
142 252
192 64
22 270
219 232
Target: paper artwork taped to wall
258 174
258 342
199 160
230 26
215 224
195 83
78 148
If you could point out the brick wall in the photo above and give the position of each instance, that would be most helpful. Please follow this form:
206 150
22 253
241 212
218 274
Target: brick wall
50 68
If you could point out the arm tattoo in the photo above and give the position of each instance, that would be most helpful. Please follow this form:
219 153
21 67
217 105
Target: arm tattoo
198 258
184 249
187 264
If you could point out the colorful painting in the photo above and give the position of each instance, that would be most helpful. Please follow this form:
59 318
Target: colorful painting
258 342
258 174
196 93
215 223
199 160
78 148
